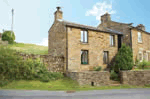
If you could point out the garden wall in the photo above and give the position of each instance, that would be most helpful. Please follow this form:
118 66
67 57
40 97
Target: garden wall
54 63
140 77
92 78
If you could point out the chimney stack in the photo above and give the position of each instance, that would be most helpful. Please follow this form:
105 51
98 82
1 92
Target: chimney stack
141 27
58 14
105 18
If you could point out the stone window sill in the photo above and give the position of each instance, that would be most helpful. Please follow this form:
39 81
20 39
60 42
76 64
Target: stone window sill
84 43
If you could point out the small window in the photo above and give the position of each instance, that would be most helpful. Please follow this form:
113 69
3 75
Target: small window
105 57
112 40
84 56
139 37
84 36
140 56
148 56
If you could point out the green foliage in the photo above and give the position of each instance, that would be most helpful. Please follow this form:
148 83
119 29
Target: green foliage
143 64
98 68
114 75
124 59
8 36
13 67
137 62
29 48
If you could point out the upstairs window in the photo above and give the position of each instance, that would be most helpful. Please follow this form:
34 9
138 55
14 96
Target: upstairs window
105 57
112 40
84 36
84 56
139 37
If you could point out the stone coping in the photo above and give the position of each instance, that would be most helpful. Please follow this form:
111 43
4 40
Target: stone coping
87 71
133 70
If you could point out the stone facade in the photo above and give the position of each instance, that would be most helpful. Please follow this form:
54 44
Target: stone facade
64 40
98 42
141 77
92 78
106 22
140 47
53 63
130 36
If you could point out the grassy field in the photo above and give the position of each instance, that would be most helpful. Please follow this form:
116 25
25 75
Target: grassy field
29 48
61 84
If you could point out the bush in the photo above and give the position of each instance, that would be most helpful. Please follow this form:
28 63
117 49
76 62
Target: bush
98 68
124 59
8 36
13 67
142 64
114 75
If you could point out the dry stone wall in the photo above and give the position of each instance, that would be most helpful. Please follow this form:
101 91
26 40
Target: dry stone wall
141 77
92 78
53 63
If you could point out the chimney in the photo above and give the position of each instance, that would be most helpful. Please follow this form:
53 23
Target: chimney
58 14
105 18
141 27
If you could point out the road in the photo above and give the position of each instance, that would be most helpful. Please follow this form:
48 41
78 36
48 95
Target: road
95 94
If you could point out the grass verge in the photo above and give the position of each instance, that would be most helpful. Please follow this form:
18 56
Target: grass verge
29 48
61 85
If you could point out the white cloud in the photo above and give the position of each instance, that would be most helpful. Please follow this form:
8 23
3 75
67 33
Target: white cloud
44 42
100 9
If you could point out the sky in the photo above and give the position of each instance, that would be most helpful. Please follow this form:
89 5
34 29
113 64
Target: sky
33 18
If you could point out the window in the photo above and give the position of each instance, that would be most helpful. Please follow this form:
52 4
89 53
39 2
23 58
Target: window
84 36
148 56
84 56
140 57
139 37
112 40
105 57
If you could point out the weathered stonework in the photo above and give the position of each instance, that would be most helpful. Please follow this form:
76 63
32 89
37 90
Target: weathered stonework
140 47
95 78
98 42
53 63
140 77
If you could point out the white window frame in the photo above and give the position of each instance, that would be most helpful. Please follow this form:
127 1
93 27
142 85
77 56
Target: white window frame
112 40
139 37
141 56
84 36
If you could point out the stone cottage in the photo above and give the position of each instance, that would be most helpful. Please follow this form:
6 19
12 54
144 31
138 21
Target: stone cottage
84 47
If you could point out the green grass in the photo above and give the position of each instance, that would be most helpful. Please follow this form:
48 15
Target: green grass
29 48
61 84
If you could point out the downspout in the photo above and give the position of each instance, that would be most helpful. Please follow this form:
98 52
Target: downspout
66 49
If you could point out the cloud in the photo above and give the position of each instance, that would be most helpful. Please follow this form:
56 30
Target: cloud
100 9
44 42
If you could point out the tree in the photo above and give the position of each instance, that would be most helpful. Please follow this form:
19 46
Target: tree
124 59
8 36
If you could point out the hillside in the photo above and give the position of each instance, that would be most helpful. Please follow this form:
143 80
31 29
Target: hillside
29 48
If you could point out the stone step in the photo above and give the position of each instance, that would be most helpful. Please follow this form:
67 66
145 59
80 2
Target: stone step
114 82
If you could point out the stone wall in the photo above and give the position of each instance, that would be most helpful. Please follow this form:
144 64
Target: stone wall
141 77
98 42
92 78
54 64
140 47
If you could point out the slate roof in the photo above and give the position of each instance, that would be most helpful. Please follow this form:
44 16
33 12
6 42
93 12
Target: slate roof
72 24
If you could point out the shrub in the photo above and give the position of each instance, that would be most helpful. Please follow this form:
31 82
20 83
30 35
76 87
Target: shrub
13 67
98 68
142 64
8 36
124 59
114 75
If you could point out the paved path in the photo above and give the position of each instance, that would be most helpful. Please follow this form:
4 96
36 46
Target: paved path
95 94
